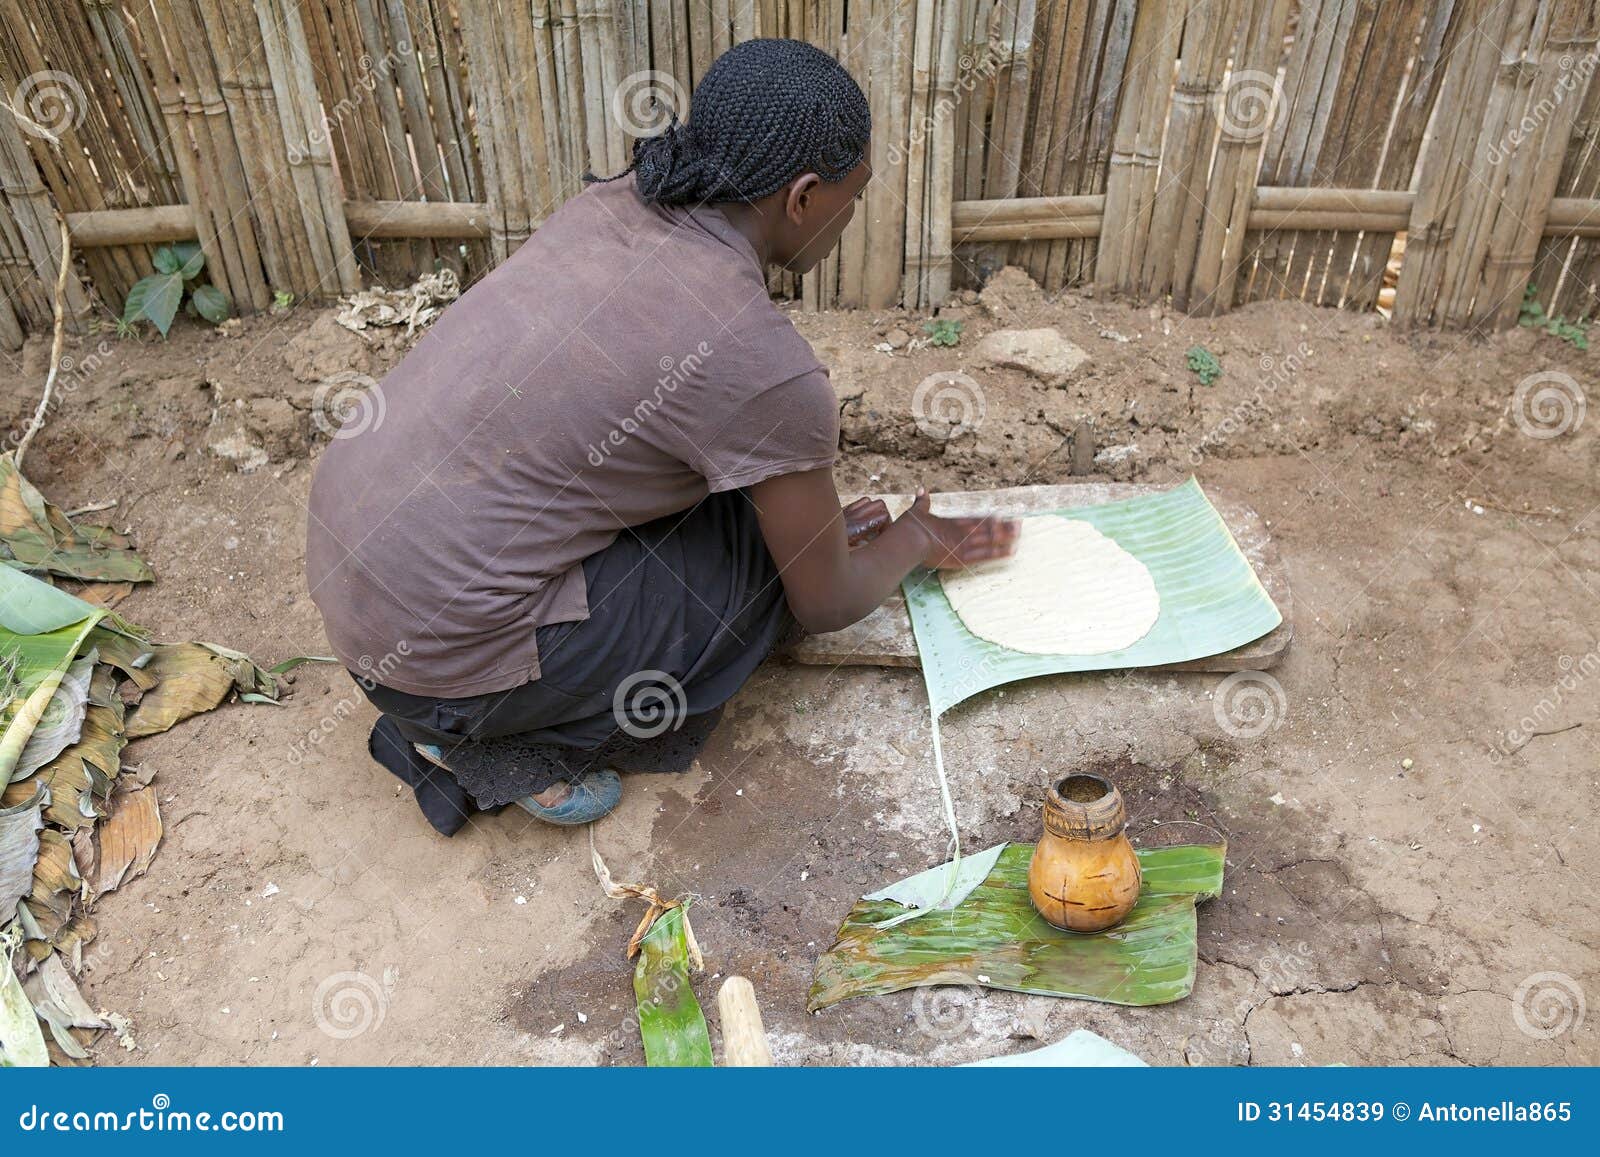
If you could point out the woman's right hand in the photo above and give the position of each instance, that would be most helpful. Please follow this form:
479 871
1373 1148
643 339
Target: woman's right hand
961 542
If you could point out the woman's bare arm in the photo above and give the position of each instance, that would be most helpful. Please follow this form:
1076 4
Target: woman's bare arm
828 584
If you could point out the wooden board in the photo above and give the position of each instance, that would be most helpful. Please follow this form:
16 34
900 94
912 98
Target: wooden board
884 639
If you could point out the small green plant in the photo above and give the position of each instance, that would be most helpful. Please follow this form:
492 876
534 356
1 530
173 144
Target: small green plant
1533 316
282 299
942 332
1204 364
157 298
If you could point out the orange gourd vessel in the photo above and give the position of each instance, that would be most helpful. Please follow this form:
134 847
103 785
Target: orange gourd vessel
1084 876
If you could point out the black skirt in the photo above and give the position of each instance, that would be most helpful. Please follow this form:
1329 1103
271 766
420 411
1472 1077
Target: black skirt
681 612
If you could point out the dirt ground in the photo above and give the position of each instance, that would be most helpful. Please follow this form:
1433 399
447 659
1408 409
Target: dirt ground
1413 853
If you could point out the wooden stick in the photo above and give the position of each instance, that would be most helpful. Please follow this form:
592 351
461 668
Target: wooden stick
417 219
744 1037
55 347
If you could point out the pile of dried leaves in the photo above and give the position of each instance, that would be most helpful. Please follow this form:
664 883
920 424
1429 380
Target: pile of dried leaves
77 682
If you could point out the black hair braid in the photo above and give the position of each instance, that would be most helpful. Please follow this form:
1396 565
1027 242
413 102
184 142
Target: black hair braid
765 112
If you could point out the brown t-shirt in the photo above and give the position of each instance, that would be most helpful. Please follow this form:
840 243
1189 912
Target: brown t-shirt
623 364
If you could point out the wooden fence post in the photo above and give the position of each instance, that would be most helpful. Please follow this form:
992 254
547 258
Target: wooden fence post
1232 186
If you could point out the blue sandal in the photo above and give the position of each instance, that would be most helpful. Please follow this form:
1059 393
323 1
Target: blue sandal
593 795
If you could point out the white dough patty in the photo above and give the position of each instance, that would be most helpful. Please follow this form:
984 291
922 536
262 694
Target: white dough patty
1068 590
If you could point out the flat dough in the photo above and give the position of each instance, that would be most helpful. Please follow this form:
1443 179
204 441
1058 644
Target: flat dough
1068 590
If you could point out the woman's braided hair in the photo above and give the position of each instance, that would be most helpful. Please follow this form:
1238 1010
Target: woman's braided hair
765 112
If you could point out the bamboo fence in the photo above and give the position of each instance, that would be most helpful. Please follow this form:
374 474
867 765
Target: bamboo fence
1213 152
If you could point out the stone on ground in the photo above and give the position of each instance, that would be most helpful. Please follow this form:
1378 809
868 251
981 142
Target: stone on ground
1043 353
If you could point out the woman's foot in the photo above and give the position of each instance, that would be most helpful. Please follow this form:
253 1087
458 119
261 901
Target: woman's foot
580 802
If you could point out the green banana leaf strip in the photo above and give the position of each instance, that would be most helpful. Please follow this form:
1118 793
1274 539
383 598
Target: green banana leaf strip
36 536
1211 600
31 667
670 1020
21 1039
995 939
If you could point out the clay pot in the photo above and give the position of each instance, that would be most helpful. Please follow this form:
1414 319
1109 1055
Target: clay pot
1084 876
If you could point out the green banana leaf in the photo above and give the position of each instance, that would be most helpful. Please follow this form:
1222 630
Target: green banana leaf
995 939
1211 600
36 536
21 1039
670 1020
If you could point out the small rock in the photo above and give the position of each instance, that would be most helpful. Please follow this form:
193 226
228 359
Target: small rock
324 349
1043 353
231 442
897 339
1010 295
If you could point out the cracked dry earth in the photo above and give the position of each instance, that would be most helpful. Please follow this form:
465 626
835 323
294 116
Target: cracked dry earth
1413 855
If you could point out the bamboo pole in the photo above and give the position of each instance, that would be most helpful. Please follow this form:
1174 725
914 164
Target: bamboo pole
75 160
1438 30
1179 200
33 216
973 221
477 30
914 275
1444 205
1562 268
228 190
254 138
941 157
1135 154
1531 184
394 164
1512 81
1219 253
852 53
322 209
1056 118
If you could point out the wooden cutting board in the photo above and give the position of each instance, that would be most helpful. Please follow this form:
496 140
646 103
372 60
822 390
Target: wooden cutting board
884 639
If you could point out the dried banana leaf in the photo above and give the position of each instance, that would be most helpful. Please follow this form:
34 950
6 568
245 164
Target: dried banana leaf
36 536
191 678
1211 600
19 851
995 939
128 839
670 1020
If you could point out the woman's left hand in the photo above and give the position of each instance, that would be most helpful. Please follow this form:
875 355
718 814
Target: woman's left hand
864 520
